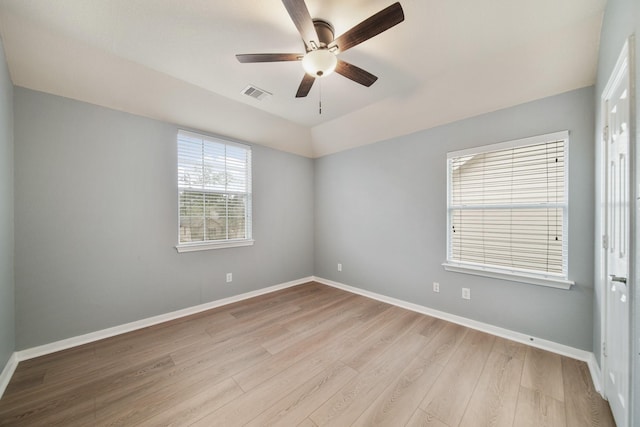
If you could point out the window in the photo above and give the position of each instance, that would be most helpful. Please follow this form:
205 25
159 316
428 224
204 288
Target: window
507 210
214 193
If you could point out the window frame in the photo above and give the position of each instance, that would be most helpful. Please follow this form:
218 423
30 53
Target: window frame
221 243
554 280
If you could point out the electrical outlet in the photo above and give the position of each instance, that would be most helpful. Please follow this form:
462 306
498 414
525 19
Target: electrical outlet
466 293
229 277
436 287
339 267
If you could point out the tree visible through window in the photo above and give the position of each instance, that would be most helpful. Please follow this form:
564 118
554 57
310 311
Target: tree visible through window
214 190
507 207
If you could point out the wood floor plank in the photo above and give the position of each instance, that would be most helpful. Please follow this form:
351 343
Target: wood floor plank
327 296
205 349
178 404
430 326
495 402
264 303
301 304
395 405
449 396
397 402
261 397
320 341
338 306
88 363
63 356
125 399
79 401
338 359
153 335
252 403
510 348
422 419
445 343
543 372
535 409
335 317
583 404
24 380
380 336
194 403
295 406
79 414
371 309
248 325
345 406
97 366
50 362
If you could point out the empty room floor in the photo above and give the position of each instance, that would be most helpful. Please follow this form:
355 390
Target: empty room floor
310 355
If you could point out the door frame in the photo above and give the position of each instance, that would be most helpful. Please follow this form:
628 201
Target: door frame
625 59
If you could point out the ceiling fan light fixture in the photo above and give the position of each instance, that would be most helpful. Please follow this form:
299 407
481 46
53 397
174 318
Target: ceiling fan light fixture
319 62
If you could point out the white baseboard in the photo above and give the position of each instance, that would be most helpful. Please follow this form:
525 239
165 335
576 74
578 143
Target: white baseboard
7 372
596 374
42 350
543 344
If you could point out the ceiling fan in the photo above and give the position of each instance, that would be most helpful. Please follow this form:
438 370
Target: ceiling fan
322 48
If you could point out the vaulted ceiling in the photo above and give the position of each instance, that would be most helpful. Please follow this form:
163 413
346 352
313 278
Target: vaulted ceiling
174 60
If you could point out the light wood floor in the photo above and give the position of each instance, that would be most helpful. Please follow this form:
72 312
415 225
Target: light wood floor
308 356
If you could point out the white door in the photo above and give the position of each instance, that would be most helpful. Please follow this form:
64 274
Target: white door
616 99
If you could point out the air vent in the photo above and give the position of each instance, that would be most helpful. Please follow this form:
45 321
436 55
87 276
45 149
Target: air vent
256 93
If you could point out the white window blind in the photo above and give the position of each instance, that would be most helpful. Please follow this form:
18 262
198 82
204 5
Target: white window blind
214 190
507 207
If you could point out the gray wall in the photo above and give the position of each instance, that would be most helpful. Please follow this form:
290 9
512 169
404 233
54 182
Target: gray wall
381 212
621 19
96 222
7 312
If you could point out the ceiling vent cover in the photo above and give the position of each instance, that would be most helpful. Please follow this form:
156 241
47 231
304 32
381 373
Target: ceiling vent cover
256 93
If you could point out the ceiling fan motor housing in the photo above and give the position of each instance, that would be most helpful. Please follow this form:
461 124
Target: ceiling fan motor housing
325 32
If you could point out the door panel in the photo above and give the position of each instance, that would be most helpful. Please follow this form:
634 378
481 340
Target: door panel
617 325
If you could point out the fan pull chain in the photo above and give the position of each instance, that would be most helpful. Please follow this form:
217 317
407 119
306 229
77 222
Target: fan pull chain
320 101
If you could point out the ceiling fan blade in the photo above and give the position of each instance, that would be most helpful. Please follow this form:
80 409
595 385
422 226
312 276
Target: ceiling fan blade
356 74
370 27
302 19
268 57
305 86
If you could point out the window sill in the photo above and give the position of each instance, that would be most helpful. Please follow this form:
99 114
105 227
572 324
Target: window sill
192 247
551 282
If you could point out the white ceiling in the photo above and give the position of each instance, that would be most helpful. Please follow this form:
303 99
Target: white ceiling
174 60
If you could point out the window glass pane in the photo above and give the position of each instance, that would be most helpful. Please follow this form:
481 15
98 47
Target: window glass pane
190 173
529 239
214 181
525 175
191 203
507 208
237 212
236 169
214 166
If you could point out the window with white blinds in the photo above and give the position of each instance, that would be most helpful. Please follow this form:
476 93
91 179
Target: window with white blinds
507 210
214 192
